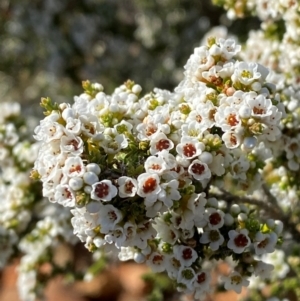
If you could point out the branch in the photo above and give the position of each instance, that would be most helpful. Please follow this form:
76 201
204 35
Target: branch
269 205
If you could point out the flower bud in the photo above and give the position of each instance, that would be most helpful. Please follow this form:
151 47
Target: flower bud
139 257
278 227
76 183
93 167
270 223
228 219
136 89
235 209
90 178
93 207
242 217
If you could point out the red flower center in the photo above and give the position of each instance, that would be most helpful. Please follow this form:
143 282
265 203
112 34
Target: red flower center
201 278
233 139
102 190
231 120
149 185
241 240
263 243
258 111
75 168
198 168
112 215
189 150
157 259
128 187
187 253
215 218
162 144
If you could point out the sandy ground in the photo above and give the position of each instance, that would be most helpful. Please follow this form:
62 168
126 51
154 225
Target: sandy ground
119 283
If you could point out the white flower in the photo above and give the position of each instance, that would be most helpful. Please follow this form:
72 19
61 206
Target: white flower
245 73
155 164
235 282
238 240
64 195
229 48
277 259
127 187
213 237
263 269
202 281
265 243
103 191
49 129
74 167
73 126
232 139
167 232
148 187
114 145
71 144
189 148
227 118
157 262
169 193
214 218
199 170
108 218
261 106
186 255
116 236
186 276
160 142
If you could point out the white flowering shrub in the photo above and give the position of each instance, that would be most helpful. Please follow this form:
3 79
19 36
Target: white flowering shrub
178 180
151 178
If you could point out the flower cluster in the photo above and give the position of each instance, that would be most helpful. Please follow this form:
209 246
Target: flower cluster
29 224
145 176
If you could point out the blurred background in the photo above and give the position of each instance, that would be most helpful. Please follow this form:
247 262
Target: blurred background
48 47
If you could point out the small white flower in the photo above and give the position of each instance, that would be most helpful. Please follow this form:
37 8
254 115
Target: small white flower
114 145
235 282
64 195
108 218
189 148
103 191
169 193
238 240
232 139
214 218
263 270
229 48
127 187
71 144
148 186
245 73
157 262
160 142
186 255
213 237
261 106
199 170
265 243
166 232
202 281
74 167
186 276
116 236
155 164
